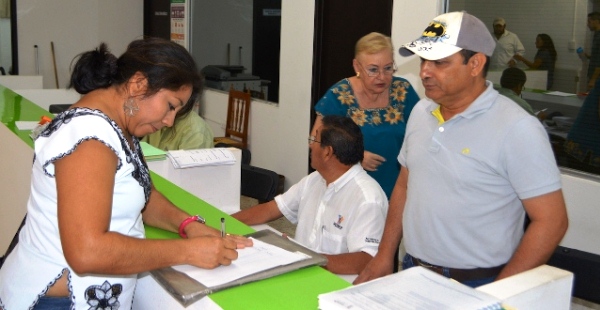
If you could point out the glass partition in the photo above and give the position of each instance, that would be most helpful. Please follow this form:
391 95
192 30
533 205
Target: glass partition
236 45
8 38
568 110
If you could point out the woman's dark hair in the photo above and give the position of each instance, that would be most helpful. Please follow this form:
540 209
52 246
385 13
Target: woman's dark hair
345 137
165 64
548 45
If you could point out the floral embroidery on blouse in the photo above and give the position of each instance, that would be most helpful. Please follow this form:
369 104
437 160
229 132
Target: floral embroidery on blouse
104 296
358 116
398 91
345 95
391 114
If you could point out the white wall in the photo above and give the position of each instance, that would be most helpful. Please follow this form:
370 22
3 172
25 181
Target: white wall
74 26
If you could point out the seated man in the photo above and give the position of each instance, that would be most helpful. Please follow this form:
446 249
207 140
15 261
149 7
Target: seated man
512 82
339 209
188 133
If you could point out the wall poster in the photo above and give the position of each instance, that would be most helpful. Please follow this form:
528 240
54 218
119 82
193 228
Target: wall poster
179 22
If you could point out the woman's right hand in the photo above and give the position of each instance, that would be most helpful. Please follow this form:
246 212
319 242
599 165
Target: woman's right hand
519 57
372 161
211 252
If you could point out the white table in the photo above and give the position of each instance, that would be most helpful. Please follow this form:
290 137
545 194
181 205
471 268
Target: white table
217 185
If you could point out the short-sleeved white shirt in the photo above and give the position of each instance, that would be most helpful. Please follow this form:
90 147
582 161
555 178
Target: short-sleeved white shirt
506 47
38 260
467 177
345 217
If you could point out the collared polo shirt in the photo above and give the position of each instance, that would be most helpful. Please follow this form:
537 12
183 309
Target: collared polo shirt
467 176
346 216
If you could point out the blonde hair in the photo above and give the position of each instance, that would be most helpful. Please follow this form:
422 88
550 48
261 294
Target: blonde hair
373 43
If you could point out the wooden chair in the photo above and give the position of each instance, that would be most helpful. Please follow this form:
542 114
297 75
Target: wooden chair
238 111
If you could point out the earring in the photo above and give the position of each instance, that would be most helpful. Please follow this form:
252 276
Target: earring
358 75
130 107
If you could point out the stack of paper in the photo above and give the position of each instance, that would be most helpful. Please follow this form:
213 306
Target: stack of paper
270 256
201 157
414 288
152 153
251 260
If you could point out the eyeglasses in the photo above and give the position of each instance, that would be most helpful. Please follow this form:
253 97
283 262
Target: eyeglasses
373 71
312 139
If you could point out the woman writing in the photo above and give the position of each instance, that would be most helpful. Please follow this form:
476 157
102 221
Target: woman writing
83 241
378 102
545 58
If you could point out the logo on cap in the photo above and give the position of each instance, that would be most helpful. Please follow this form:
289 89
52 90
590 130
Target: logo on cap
435 29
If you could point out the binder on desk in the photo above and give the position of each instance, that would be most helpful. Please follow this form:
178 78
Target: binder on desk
187 290
152 153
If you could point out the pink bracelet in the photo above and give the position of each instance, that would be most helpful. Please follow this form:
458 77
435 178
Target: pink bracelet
195 218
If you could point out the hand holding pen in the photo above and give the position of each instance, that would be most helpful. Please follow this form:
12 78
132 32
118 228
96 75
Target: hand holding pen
241 241
222 227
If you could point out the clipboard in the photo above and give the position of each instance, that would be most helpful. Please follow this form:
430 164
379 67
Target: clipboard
187 290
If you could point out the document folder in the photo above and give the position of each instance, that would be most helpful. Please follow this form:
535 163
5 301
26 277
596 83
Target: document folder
187 290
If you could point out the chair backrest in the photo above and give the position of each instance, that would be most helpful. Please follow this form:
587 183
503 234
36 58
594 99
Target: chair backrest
259 183
238 111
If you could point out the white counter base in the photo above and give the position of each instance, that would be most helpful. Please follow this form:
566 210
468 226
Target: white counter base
217 185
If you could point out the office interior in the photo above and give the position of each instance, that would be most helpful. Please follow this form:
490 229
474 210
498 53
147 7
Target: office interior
287 122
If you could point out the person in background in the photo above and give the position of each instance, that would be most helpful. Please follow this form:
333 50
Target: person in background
340 210
83 242
473 165
544 59
512 83
593 71
507 46
378 102
188 133
583 140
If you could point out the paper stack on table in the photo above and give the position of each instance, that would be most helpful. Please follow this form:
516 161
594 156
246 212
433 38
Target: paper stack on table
201 157
414 288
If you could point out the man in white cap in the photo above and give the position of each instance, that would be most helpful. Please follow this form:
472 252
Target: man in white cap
507 45
473 164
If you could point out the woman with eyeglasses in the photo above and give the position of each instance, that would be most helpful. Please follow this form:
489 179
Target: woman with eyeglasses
378 102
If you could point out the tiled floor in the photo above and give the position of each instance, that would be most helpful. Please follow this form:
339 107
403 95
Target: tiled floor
580 304
283 225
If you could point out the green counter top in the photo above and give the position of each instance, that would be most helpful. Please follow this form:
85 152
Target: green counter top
14 107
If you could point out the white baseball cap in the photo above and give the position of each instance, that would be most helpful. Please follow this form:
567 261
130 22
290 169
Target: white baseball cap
450 33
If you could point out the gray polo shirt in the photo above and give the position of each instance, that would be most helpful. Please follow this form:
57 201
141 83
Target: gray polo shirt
467 177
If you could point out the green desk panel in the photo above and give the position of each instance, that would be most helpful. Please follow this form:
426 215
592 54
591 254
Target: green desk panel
295 290
14 107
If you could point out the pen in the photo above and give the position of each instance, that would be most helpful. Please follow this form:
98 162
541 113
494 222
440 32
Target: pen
222 227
